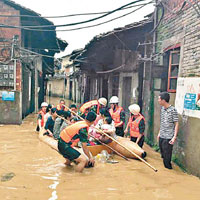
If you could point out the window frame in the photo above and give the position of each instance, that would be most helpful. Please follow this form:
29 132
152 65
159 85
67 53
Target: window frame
170 68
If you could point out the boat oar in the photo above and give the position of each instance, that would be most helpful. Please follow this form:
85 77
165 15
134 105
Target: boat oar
127 149
101 142
144 161
63 118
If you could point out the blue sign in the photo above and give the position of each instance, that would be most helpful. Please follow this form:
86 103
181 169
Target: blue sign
190 101
8 96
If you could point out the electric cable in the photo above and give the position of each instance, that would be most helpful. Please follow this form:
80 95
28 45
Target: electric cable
64 30
171 11
191 4
161 18
82 22
196 3
65 16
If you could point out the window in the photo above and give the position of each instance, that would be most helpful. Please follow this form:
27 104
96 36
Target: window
174 58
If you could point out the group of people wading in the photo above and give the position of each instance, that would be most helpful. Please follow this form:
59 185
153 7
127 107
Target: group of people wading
63 124
72 127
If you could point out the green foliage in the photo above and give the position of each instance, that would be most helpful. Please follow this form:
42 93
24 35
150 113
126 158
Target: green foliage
176 160
155 147
150 131
191 75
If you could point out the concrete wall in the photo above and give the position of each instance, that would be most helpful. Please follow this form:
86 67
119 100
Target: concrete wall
56 87
11 110
183 29
133 95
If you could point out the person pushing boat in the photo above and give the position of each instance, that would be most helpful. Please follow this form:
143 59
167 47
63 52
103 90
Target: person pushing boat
118 115
70 137
93 105
136 124
41 114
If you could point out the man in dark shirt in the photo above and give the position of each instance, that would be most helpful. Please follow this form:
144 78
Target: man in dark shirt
50 122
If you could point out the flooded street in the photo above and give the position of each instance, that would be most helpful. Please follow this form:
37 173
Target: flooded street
30 169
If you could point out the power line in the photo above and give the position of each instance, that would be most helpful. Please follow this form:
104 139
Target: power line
82 22
64 30
196 3
29 51
171 11
191 4
65 16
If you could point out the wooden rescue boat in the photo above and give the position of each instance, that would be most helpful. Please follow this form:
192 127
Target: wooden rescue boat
132 146
54 143
124 142
96 149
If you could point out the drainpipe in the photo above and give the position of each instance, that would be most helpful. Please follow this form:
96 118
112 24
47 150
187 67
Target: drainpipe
154 48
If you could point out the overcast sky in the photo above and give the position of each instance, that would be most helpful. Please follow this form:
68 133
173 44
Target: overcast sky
79 38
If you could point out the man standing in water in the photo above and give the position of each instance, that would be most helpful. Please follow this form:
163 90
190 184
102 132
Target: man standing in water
168 128
70 137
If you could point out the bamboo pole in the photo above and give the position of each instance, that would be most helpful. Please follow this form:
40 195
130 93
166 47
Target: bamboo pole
145 162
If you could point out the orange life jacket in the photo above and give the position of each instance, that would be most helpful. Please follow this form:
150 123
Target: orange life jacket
88 105
134 125
116 114
58 107
42 120
69 132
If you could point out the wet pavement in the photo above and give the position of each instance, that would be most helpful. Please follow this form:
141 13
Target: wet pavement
30 169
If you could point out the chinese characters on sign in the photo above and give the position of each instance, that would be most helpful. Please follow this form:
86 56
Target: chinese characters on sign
188 97
8 96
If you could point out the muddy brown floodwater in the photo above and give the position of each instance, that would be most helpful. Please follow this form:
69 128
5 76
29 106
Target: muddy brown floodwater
30 169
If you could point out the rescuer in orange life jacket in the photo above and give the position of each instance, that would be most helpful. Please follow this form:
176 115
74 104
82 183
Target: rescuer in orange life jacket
136 124
93 105
118 115
40 119
70 137
61 105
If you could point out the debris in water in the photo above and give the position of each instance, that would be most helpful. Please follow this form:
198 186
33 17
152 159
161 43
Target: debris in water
7 177
112 161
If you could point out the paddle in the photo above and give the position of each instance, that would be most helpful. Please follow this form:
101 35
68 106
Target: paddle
116 142
101 142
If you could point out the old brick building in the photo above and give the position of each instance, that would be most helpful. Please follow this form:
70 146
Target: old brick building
176 59
110 64
26 56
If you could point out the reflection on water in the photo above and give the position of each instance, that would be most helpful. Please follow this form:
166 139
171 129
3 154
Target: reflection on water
40 173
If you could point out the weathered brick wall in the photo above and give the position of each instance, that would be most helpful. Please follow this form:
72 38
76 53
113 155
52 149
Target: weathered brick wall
186 24
8 33
183 28
11 110
13 21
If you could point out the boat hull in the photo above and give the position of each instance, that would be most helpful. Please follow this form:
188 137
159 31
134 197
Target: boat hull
132 146
96 149
54 143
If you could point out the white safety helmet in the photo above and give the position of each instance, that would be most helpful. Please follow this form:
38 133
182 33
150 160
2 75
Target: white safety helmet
44 104
103 101
134 109
114 99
